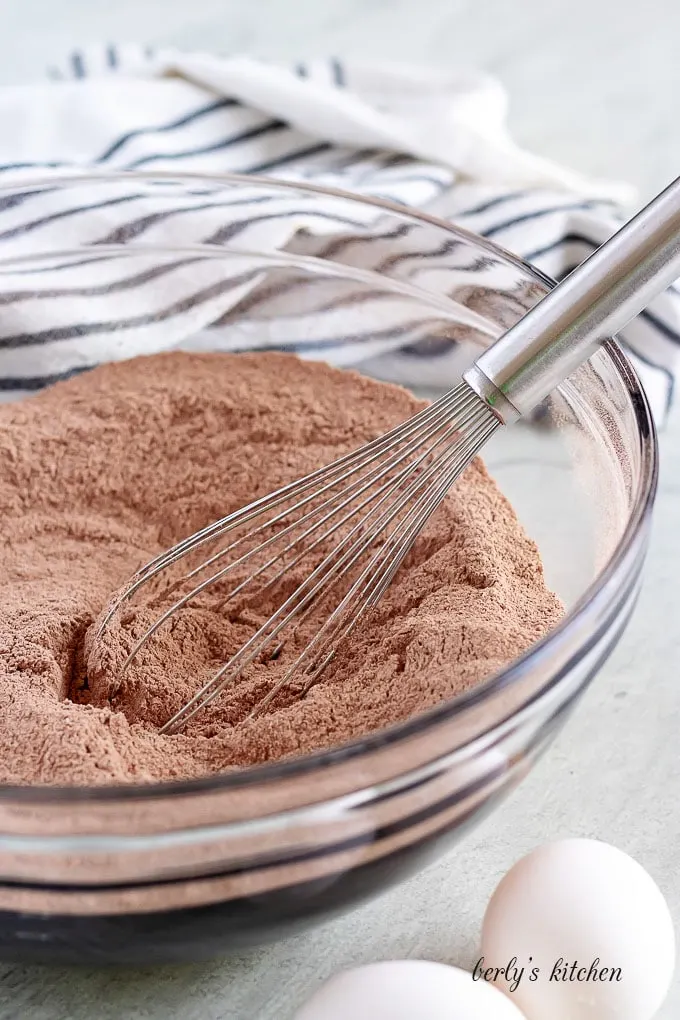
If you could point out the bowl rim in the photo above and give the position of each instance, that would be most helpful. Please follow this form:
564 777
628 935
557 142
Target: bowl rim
596 594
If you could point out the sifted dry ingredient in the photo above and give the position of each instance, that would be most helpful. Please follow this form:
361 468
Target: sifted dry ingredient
100 473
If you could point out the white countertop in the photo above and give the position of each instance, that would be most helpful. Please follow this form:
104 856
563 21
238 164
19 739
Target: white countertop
593 85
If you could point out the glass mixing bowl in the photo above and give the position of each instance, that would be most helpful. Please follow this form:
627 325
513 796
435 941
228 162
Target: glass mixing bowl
112 265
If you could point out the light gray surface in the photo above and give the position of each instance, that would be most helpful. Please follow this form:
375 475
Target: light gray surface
595 84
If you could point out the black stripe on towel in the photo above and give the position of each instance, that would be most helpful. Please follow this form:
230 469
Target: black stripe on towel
134 228
100 290
511 196
668 375
562 241
15 198
188 118
535 215
340 244
78 64
232 230
97 328
342 342
658 324
9 384
268 128
274 164
410 178
24 228
338 73
72 263
6 167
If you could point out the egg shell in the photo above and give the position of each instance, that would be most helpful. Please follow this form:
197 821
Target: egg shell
407 990
581 900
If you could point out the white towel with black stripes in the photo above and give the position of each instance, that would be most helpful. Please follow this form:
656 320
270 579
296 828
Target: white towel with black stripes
429 139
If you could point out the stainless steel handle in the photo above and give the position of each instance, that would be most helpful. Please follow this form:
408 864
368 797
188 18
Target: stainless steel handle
594 302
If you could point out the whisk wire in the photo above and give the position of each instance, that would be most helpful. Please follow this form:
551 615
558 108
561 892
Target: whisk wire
348 463
345 496
379 495
337 564
377 578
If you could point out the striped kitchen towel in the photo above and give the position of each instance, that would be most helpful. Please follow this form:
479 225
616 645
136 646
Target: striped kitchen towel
426 139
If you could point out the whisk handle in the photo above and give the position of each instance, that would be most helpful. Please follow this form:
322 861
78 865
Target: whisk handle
593 303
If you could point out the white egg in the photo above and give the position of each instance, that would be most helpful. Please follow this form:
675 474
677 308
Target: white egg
590 929
407 990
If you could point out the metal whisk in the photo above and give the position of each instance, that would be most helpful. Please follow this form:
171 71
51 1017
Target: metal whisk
335 539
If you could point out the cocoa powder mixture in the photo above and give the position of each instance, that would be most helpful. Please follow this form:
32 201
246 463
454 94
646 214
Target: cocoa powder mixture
100 473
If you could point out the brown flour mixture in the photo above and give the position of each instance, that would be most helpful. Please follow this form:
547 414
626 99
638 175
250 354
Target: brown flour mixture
99 474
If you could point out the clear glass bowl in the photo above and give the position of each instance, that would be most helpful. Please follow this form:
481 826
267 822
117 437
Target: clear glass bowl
185 870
